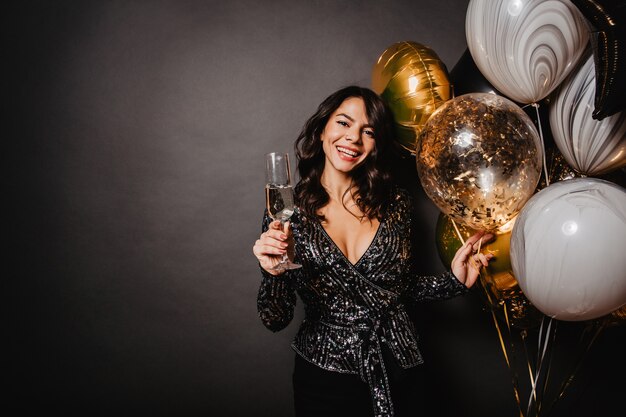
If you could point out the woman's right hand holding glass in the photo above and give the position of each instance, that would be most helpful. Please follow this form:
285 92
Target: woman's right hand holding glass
271 246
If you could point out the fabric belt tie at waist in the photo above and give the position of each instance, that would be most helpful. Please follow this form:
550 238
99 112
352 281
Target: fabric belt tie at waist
371 365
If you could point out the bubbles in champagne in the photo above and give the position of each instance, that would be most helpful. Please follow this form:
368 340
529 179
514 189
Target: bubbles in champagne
279 201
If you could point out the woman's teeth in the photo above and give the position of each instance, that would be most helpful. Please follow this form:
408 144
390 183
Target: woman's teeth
347 151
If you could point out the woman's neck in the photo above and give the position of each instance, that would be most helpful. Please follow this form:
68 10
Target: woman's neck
336 184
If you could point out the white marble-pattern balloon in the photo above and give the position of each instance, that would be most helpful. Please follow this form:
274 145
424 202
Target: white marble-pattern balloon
525 48
591 147
567 249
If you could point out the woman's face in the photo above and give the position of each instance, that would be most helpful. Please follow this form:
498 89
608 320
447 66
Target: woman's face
348 138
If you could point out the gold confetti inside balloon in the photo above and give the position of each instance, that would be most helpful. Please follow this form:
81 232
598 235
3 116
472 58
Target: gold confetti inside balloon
497 278
414 82
479 159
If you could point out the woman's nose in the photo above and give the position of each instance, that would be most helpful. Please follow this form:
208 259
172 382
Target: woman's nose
353 136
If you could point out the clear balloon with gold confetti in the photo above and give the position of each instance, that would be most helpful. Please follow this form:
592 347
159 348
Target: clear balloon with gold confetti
479 159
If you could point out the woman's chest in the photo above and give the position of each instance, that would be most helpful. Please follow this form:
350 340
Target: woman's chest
382 259
350 235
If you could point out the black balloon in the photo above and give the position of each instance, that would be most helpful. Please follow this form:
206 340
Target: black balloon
467 78
608 42
618 177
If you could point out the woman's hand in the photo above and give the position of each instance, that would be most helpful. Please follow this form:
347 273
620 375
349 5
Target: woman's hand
466 264
271 246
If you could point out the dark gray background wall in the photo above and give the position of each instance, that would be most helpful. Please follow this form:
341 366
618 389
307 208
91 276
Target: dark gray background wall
136 135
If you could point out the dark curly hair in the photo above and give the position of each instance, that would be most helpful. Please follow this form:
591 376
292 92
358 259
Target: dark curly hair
371 181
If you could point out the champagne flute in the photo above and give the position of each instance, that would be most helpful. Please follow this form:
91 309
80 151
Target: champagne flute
279 197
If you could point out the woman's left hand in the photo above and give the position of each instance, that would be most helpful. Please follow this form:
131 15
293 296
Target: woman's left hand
468 261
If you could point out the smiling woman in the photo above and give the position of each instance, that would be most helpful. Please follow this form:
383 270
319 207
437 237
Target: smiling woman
135 190
347 137
356 350
347 141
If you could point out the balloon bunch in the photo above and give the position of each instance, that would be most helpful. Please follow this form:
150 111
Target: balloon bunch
479 158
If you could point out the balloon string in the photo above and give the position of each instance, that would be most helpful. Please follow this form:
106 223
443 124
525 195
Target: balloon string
539 338
514 378
528 364
543 144
542 348
531 373
497 326
548 371
458 233
583 355
541 361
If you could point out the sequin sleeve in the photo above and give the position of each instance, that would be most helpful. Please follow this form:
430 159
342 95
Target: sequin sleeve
276 300
419 287
435 287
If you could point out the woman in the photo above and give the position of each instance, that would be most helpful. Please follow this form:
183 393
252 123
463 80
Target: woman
356 350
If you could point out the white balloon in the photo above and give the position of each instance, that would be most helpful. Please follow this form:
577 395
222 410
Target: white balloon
567 249
590 146
525 48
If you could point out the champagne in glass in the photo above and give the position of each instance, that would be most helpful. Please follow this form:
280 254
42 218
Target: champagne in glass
279 196
279 200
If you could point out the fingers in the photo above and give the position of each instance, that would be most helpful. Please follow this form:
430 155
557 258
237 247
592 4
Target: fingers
275 231
261 250
466 256
285 228
482 259
272 242
475 263
468 262
471 247
487 237
475 237
479 260
480 238
275 225
464 251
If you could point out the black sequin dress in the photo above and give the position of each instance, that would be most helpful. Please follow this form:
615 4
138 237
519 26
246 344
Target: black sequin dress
351 309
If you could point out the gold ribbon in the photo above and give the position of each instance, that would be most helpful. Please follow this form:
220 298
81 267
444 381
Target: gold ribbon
540 374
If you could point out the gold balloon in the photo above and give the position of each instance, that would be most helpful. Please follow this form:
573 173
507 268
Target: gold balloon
414 82
479 159
502 291
447 239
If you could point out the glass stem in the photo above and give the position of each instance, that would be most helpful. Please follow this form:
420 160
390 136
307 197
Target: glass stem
285 258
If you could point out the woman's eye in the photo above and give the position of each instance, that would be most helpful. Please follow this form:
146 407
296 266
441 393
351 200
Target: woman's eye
342 123
369 133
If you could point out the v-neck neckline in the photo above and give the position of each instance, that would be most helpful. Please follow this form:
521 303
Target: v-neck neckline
354 265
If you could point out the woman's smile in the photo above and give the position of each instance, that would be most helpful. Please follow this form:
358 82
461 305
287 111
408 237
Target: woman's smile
348 138
348 154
